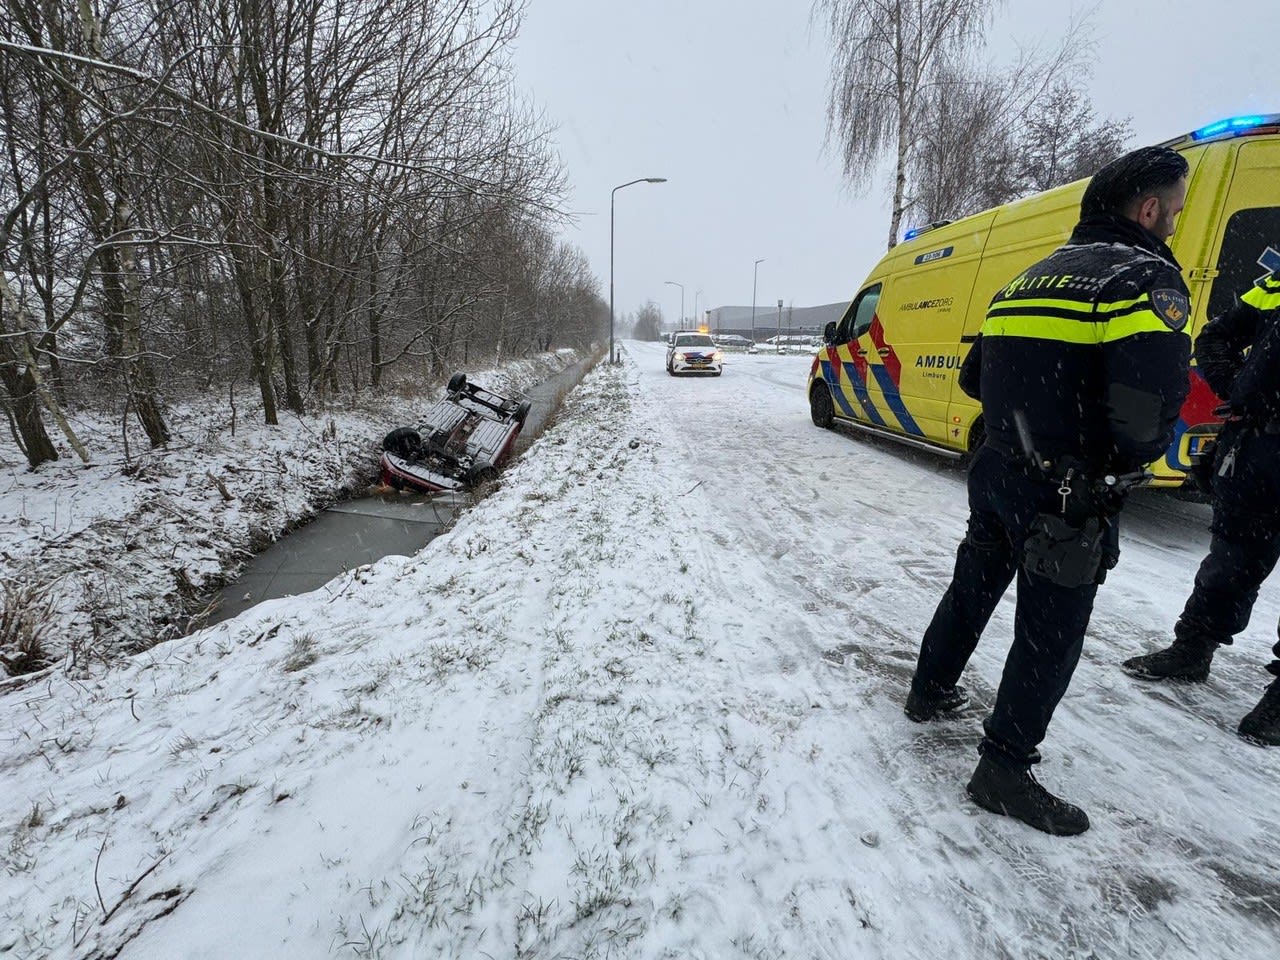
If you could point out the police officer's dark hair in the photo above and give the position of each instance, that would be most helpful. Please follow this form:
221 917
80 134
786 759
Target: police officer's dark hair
1136 175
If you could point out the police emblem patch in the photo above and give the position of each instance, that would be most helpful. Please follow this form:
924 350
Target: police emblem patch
1171 306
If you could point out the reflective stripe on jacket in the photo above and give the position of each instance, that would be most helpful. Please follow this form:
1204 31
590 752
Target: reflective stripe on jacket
1089 345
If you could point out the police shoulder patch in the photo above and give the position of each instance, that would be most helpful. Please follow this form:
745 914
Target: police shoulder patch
1171 306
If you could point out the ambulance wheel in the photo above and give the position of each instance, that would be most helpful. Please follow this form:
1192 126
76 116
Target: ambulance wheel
522 411
821 409
403 442
457 382
977 437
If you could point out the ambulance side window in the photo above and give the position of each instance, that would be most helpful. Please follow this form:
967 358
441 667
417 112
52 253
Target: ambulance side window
1245 242
857 319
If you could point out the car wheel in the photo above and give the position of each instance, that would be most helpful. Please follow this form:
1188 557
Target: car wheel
522 411
821 409
457 382
403 442
977 437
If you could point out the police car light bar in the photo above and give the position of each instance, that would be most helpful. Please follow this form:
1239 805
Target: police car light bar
1233 125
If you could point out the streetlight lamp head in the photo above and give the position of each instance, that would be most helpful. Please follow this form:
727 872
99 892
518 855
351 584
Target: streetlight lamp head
655 179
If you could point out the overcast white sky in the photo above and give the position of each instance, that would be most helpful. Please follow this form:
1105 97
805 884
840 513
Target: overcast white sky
727 99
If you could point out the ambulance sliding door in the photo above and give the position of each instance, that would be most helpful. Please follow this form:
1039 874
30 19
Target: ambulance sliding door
923 316
1021 234
1245 246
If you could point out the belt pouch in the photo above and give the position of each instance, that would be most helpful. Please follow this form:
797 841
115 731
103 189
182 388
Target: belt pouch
1063 554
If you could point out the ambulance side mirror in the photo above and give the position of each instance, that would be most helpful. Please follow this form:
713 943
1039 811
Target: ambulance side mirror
829 332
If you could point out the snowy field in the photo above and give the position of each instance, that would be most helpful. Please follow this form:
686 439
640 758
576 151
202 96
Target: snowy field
644 701
126 549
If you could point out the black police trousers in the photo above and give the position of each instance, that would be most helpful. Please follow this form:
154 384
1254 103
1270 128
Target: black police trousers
1245 542
1005 495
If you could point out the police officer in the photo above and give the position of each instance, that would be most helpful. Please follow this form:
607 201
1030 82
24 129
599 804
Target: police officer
1081 368
1239 355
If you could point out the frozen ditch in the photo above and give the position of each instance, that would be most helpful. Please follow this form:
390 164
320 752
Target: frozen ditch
362 530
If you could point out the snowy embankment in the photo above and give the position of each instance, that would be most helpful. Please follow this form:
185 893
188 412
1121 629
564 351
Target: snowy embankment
643 701
127 550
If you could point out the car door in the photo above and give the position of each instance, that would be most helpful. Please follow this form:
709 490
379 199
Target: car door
845 364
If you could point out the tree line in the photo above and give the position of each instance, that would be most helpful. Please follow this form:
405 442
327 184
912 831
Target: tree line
304 195
908 81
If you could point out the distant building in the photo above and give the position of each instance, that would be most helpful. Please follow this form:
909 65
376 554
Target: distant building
794 321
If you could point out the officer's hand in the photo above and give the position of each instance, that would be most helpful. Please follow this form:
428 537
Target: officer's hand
1093 500
1108 499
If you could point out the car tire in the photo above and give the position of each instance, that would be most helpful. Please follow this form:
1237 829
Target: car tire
403 442
977 437
522 411
821 409
457 382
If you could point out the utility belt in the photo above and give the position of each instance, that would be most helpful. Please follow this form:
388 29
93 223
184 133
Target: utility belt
1053 465
1072 541
1228 442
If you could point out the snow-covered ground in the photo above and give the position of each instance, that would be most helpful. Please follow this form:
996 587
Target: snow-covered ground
644 701
126 549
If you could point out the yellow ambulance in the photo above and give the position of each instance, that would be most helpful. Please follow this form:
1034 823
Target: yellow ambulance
891 365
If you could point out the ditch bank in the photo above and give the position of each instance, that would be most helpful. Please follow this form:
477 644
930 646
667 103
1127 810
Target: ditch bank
364 529
107 559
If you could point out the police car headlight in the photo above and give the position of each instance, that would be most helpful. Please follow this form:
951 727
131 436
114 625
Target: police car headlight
717 356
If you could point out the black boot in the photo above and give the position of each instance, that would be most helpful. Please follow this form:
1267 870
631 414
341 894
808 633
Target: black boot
1185 660
1014 792
1262 723
924 707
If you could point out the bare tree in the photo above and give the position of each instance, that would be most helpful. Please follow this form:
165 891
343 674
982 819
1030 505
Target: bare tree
1063 139
648 322
312 191
992 138
887 55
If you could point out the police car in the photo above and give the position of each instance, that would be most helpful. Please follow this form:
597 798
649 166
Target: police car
692 352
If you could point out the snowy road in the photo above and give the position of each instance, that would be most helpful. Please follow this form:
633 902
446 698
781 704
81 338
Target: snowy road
645 701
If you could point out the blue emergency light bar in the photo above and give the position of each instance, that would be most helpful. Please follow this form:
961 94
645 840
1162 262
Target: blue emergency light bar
1230 125
916 231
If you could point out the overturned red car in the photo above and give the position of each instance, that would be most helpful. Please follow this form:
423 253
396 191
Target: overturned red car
463 440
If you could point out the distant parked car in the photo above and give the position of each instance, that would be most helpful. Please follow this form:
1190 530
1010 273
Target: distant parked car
733 341
694 353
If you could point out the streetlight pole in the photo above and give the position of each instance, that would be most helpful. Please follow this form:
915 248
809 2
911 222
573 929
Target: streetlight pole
695 308
613 357
681 286
755 271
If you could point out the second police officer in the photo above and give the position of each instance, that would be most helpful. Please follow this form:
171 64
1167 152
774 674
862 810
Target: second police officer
1239 355
1081 369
